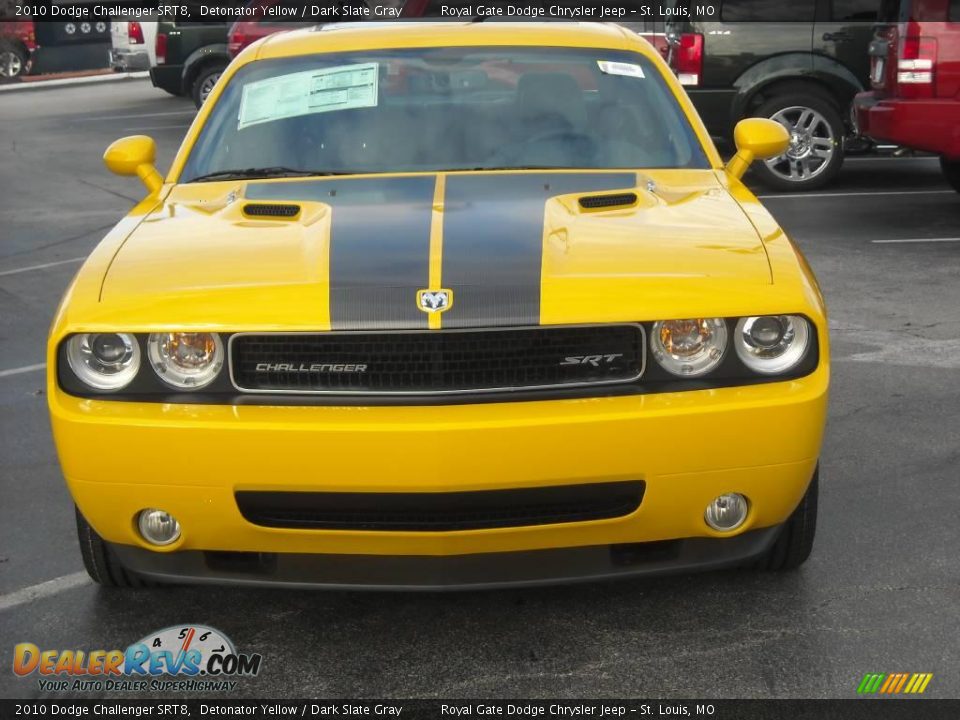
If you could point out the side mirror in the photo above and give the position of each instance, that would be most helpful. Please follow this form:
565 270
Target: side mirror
134 155
756 139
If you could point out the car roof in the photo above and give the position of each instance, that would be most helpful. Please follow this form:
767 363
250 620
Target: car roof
345 37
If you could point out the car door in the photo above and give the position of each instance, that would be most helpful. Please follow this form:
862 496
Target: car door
843 31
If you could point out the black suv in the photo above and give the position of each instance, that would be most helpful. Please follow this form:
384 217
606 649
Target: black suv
190 57
797 61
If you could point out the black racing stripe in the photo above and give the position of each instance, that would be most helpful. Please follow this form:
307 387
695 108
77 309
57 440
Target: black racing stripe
379 246
493 242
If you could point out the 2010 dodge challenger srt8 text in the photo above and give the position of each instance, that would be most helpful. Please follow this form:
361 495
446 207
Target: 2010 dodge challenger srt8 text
442 306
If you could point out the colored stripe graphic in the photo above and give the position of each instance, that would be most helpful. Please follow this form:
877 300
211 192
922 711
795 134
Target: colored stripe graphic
870 683
889 682
379 245
493 231
894 683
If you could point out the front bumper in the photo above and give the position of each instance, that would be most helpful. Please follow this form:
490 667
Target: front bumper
687 447
932 125
479 571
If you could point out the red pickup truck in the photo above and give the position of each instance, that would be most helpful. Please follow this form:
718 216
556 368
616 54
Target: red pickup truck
915 78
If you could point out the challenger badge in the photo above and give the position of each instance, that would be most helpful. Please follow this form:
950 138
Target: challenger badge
434 301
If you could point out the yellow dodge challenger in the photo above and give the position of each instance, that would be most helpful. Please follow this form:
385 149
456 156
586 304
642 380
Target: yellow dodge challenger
442 306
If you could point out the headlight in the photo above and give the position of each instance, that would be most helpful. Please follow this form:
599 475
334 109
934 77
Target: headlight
772 344
689 348
105 361
186 360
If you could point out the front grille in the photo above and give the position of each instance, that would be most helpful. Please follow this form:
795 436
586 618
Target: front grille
443 361
440 512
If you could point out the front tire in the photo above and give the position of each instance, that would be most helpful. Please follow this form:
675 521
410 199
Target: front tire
101 565
793 546
951 169
816 132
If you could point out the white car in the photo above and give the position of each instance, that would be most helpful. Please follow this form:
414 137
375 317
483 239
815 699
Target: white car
133 45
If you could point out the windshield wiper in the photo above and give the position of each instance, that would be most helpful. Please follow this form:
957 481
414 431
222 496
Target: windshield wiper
264 172
282 172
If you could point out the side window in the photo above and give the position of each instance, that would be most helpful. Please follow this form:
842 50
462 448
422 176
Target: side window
854 10
767 10
954 15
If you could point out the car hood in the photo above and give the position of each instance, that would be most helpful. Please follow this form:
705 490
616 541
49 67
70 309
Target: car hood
513 248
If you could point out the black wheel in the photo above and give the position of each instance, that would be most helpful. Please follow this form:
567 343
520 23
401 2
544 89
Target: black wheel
793 546
951 168
816 141
204 82
14 60
100 564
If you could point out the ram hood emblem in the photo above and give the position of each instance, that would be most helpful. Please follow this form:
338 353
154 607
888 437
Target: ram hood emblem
433 301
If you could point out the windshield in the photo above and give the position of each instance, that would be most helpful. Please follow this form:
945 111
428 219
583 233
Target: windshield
434 109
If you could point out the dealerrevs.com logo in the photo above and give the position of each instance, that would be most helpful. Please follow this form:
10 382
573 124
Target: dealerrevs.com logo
186 658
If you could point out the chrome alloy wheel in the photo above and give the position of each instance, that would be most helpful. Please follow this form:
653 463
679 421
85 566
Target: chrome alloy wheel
10 64
207 87
812 144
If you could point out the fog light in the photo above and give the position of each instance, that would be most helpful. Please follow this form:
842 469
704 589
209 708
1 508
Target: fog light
726 512
158 527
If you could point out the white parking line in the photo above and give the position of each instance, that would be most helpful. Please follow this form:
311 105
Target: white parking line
915 240
41 267
856 194
42 590
24 369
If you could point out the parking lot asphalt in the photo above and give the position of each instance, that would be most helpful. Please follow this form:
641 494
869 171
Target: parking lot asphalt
880 594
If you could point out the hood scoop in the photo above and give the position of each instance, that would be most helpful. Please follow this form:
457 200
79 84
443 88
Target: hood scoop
608 201
271 210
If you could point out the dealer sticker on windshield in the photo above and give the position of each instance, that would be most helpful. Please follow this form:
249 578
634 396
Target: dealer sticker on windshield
313 91
620 68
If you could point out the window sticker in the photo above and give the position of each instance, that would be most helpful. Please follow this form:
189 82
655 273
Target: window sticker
313 91
620 68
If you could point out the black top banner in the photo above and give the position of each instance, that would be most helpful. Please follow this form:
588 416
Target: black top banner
322 11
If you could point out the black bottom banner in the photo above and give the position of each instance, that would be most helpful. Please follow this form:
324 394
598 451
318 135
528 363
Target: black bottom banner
853 709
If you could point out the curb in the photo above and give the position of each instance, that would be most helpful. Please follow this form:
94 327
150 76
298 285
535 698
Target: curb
67 82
